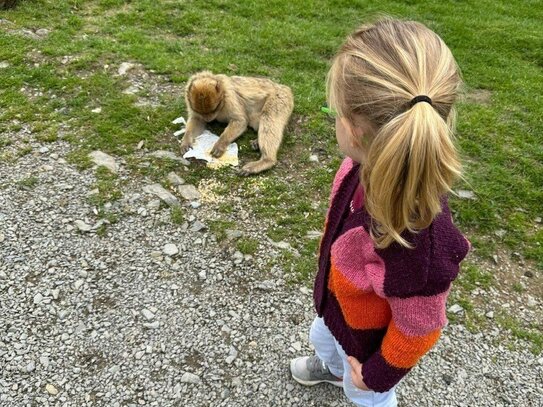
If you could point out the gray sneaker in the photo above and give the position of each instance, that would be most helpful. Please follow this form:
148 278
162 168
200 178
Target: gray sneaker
310 370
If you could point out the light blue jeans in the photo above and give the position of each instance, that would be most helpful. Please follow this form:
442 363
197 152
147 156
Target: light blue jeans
331 352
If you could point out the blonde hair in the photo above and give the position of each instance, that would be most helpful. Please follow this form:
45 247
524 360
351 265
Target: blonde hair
411 160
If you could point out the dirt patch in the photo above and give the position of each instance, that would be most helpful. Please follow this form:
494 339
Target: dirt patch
478 96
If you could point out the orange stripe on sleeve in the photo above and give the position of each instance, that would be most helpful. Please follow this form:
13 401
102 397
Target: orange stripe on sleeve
403 351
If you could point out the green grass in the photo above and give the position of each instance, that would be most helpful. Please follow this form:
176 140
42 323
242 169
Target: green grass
28 183
108 186
247 245
498 47
177 215
525 331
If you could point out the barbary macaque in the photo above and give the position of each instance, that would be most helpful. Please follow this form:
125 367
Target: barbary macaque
260 103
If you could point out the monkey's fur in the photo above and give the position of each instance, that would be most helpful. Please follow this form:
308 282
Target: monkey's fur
241 102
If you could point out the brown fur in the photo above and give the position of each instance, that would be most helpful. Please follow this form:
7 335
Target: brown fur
239 101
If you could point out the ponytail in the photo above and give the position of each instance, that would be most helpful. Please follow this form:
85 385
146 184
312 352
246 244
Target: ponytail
411 164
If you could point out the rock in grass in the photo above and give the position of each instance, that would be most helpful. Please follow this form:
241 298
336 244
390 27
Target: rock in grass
464 194
175 179
163 194
189 192
169 156
455 309
102 159
125 67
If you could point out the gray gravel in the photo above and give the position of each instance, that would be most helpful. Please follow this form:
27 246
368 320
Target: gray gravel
156 314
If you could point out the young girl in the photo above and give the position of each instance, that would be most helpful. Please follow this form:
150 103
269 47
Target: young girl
390 250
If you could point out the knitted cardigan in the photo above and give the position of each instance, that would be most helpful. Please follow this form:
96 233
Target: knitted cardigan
386 307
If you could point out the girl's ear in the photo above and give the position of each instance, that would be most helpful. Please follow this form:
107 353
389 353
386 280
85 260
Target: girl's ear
355 133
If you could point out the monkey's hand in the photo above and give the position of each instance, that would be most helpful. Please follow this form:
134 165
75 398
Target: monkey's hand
218 149
185 146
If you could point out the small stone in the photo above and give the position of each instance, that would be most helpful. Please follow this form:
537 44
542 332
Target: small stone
97 110
140 144
190 378
31 366
82 226
232 234
51 389
152 325
195 204
148 315
175 179
232 355
38 298
537 220
44 361
314 158
43 150
500 233
169 155
463 194
528 274
197 226
158 190
125 67
154 204
455 309
78 284
189 192
202 275
42 32
131 90
4 65
236 382
104 160
540 361
55 293
531 302
495 258
297 346
490 314
170 249
2 237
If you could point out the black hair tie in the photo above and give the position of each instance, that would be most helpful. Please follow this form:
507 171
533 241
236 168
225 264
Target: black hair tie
421 98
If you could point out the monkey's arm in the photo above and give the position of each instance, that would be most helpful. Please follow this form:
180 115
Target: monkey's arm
234 129
195 127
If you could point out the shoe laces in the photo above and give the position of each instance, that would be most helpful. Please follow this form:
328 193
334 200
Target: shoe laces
315 364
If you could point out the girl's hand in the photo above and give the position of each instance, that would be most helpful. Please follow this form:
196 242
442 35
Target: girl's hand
356 373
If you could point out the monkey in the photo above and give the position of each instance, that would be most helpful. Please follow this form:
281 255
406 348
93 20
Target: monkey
241 102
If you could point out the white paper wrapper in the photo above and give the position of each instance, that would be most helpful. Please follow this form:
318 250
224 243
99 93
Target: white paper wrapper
202 148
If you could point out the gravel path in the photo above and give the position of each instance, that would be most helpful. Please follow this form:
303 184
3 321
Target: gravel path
114 321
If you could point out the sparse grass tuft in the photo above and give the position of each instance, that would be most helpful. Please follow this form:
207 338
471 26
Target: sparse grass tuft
177 215
247 245
28 183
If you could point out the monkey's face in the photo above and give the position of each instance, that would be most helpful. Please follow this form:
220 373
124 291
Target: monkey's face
205 96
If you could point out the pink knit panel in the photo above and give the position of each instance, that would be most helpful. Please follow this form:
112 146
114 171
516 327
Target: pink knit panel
418 316
344 169
354 256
